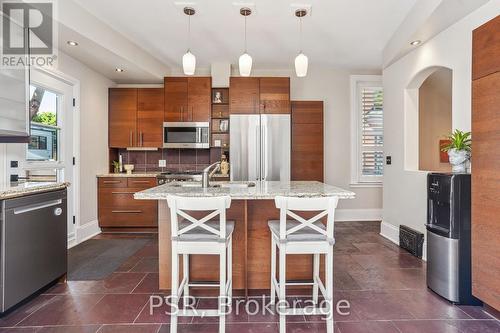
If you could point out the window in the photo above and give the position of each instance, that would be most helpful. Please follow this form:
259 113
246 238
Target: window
367 155
43 145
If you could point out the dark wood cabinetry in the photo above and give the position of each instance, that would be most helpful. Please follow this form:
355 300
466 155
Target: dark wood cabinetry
244 96
486 163
251 95
307 140
122 117
150 117
274 95
117 207
188 98
135 117
486 49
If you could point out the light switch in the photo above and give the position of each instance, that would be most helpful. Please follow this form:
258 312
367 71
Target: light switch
162 163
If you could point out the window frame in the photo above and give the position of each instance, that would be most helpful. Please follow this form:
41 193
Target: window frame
357 179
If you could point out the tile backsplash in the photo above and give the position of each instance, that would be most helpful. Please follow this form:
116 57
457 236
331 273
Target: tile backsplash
177 159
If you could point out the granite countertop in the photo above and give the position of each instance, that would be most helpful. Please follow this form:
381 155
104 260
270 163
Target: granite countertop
134 174
261 190
13 190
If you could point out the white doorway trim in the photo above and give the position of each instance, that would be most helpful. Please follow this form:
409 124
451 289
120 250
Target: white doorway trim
76 144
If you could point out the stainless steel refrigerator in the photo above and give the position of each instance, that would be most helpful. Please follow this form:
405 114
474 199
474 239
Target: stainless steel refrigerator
260 147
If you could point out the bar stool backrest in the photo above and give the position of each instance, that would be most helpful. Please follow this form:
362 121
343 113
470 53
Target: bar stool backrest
179 205
288 206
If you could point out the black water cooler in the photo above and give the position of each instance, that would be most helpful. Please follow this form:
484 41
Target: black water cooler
449 237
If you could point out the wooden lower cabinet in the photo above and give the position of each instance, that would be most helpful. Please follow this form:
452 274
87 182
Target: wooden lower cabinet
117 207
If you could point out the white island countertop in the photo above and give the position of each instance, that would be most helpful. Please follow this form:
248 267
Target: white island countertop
261 191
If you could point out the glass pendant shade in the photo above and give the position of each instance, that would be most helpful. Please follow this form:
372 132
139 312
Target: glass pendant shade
245 64
301 63
189 63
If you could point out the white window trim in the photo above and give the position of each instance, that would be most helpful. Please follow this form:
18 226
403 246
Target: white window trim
356 180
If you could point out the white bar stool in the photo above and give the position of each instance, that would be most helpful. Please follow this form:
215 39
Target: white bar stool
200 236
303 236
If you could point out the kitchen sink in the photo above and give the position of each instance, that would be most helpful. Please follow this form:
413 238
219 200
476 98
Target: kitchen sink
221 185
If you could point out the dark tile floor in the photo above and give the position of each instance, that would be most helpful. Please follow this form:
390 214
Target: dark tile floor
385 288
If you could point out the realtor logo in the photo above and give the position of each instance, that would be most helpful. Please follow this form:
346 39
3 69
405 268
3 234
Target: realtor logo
28 33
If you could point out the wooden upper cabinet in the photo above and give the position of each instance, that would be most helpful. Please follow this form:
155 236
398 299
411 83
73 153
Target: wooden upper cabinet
307 140
199 99
244 95
150 117
176 98
486 49
122 115
275 95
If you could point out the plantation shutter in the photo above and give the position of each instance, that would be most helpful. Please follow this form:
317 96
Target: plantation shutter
372 133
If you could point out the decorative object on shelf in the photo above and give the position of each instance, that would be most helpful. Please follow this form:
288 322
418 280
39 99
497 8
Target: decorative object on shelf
224 165
245 61
116 166
301 61
459 150
129 168
217 97
217 143
443 156
189 60
224 125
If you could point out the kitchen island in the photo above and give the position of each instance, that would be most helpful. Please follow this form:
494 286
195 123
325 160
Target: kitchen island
251 207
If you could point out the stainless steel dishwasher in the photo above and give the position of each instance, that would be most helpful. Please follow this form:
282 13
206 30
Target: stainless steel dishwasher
33 244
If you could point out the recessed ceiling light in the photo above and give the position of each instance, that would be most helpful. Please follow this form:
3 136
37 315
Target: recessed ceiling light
416 42
119 70
72 43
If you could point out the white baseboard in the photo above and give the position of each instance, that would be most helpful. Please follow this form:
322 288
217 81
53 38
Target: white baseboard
358 215
391 232
86 231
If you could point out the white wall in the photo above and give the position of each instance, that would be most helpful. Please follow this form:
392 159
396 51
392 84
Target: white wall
405 191
333 87
93 150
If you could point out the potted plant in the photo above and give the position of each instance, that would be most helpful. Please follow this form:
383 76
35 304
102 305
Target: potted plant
459 150
116 166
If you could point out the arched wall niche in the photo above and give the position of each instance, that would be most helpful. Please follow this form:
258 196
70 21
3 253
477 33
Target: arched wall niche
428 118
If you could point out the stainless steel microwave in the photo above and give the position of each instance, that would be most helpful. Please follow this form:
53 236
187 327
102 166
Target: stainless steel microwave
186 135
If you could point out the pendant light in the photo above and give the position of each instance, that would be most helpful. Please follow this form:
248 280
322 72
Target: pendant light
301 61
245 62
188 59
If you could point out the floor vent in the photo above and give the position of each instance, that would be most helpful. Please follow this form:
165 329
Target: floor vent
411 240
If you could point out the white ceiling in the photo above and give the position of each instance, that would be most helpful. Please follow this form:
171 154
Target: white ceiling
342 33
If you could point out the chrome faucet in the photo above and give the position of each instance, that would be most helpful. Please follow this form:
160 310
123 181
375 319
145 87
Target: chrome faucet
207 174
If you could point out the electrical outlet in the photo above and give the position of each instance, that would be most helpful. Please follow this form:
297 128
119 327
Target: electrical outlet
14 164
162 163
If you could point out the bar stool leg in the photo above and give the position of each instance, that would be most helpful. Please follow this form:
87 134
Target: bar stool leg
175 286
230 269
315 277
273 270
222 289
185 268
282 286
329 288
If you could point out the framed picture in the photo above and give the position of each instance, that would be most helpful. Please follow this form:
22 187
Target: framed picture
443 156
220 96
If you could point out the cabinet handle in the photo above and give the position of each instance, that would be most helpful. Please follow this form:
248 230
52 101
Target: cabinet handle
122 192
140 139
182 113
192 112
126 211
140 181
131 138
111 181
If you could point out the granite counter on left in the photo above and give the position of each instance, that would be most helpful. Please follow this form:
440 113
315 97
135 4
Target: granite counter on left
14 190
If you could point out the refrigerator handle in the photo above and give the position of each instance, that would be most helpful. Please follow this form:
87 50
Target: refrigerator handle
257 157
264 152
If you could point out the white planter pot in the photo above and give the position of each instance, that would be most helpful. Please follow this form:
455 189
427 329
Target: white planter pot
458 160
